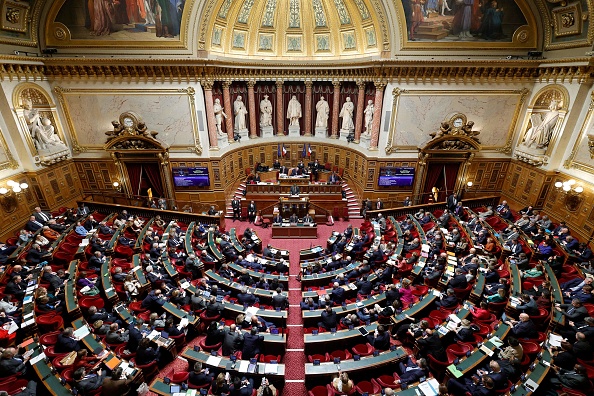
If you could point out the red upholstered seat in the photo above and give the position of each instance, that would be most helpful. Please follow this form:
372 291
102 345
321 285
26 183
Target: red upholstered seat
180 376
319 391
49 338
363 349
149 371
437 366
209 348
322 358
343 355
269 358
49 322
387 381
368 387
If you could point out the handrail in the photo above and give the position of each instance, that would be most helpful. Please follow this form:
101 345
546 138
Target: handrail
145 201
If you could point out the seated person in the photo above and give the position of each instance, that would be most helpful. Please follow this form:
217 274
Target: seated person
342 383
86 383
200 376
145 354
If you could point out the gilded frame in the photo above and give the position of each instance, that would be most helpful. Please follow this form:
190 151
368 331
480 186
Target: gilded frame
398 92
190 92
525 37
33 26
549 45
10 162
570 162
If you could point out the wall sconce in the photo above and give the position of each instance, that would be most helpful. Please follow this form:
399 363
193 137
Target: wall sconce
468 186
569 187
14 187
117 186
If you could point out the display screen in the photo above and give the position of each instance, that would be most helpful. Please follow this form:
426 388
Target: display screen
392 176
191 177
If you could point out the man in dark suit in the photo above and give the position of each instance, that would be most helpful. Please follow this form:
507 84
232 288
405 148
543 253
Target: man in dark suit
134 335
66 342
40 216
523 328
364 286
337 293
33 224
333 179
448 301
252 343
85 383
96 261
513 247
232 340
284 170
575 311
90 223
16 287
380 339
11 364
277 219
574 379
379 205
452 201
236 205
295 190
279 300
199 376
582 348
474 386
458 281
252 211
329 319
246 298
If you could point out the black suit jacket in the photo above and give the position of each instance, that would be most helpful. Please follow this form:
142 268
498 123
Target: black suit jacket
66 344
11 366
91 383
251 345
33 226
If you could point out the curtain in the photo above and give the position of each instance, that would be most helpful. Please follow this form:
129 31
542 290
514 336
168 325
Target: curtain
151 172
134 170
451 176
434 171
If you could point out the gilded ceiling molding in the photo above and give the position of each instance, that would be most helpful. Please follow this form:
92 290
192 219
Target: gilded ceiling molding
32 21
549 22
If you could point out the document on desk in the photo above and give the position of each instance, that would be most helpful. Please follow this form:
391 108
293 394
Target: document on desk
531 384
271 368
213 360
555 340
454 318
486 350
81 333
454 370
429 387
37 358
243 366
249 312
496 341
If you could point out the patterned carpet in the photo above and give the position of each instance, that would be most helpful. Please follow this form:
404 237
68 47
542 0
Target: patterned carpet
294 358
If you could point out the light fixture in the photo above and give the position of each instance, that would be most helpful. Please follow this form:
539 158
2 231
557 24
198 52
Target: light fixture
469 184
569 187
117 186
14 187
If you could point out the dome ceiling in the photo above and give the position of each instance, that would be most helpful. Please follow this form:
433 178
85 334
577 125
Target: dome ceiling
294 28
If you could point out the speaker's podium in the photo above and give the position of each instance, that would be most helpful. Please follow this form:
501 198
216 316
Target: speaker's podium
298 205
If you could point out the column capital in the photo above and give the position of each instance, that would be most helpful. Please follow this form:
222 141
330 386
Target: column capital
251 83
207 83
361 84
336 83
379 84
308 83
226 84
279 83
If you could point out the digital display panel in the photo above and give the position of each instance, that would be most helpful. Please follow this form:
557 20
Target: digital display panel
191 177
396 177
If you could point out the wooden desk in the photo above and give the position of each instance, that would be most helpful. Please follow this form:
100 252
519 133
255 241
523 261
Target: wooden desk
311 253
257 275
108 288
538 374
315 316
269 176
235 241
72 307
213 247
141 234
297 231
366 363
234 286
50 381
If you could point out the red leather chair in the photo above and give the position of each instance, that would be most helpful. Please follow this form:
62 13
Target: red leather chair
541 318
420 290
207 320
67 375
180 341
363 349
437 366
334 392
322 358
319 391
387 381
209 348
123 252
13 387
530 348
181 376
136 307
120 351
269 358
149 371
343 355
49 338
457 351
369 387
50 322
86 302
59 366
505 390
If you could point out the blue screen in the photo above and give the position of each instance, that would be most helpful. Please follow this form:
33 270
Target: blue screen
191 177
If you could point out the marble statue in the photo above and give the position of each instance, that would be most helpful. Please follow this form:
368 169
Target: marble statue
294 111
240 114
543 126
347 115
219 114
265 112
323 111
369 116
41 128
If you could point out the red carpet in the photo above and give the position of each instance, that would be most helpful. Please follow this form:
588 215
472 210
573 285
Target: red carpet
294 358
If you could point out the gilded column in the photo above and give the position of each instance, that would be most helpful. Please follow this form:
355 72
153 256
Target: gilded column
252 109
228 110
308 107
280 117
210 116
359 119
377 114
335 109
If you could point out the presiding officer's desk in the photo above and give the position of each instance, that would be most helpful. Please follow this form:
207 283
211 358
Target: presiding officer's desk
299 231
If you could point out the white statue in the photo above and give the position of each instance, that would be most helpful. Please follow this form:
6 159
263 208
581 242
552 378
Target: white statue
240 114
294 111
323 111
347 115
265 112
369 116
219 114
41 128
543 126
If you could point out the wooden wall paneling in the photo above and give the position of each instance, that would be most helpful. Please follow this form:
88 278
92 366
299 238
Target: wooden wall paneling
96 175
15 210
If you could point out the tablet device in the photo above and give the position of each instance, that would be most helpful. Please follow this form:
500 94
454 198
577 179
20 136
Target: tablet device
363 331
174 389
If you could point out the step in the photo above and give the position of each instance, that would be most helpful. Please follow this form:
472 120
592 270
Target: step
431 36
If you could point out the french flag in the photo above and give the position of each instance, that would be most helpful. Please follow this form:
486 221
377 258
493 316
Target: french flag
284 150
309 150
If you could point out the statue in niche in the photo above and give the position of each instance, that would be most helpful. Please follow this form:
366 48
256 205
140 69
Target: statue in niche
543 126
346 113
240 112
294 111
41 129
265 112
219 114
323 111
369 116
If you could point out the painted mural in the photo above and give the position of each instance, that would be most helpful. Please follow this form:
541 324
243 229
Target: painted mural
462 20
122 19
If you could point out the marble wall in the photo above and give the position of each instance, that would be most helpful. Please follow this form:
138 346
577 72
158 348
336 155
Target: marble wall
417 113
